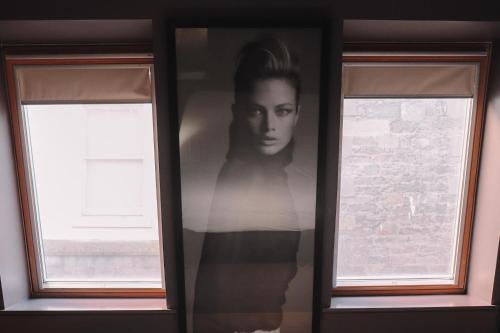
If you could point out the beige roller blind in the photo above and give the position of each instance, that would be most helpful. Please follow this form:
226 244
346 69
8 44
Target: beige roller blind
81 84
408 80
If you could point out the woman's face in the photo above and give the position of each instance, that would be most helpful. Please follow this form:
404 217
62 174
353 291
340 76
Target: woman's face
271 113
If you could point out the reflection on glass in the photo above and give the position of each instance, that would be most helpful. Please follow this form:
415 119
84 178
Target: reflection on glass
249 251
248 151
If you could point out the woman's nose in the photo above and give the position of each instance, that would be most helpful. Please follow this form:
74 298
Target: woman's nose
270 122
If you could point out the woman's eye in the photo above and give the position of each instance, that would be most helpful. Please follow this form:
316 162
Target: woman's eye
283 112
252 111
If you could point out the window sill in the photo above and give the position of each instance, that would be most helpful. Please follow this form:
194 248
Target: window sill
401 303
90 304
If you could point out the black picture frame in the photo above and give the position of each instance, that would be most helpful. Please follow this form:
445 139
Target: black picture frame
328 136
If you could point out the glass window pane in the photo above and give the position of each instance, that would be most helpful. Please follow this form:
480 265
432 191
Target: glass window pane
93 185
402 172
106 192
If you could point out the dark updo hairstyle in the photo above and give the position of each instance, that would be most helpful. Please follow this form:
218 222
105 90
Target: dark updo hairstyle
267 58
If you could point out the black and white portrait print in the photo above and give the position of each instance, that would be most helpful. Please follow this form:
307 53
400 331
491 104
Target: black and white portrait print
248 110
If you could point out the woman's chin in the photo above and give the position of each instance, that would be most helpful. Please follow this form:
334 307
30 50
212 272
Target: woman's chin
269 150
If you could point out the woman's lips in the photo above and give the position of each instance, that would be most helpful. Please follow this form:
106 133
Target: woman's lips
267 141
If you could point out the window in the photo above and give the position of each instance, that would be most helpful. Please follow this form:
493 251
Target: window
410 142
85 145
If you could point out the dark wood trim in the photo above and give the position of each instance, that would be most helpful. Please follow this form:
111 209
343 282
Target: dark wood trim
99 293
435 48
397 290
13 61
77 49
268 21
21 161
169 163
414 58
327 164
484 69
481 57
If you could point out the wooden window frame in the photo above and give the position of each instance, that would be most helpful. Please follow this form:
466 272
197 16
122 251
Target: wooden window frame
73 55
477 53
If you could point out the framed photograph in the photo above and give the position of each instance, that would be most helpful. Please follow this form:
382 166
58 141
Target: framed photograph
248 103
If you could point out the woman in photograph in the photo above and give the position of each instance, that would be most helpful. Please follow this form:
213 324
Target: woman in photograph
249 253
